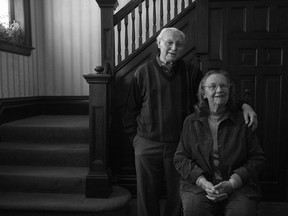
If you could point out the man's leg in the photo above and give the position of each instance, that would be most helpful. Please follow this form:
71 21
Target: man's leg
173 202
149 170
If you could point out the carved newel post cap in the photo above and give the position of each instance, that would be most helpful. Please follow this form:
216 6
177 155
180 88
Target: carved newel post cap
99 69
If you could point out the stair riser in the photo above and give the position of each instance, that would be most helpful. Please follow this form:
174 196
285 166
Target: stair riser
24 157
35 184
44 135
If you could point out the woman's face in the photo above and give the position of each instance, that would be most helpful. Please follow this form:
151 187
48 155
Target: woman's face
216 90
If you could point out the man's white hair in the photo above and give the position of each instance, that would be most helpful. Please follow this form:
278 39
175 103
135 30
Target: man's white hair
164 30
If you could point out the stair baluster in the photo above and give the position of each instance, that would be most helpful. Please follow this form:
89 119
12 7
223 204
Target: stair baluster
175 8
161 14
183 5
119 42
154 17
140 24
133 30
147 19
168 11
126 36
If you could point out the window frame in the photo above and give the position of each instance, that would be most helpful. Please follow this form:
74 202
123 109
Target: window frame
19 48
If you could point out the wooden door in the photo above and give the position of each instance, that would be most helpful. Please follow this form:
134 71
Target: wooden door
259 68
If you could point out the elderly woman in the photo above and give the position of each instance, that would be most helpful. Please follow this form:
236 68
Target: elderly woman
218 156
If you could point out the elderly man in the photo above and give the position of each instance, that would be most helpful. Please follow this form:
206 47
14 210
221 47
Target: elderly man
163 92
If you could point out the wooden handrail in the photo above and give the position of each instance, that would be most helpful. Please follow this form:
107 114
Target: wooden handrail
121 14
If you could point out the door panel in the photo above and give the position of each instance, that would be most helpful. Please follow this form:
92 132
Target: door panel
259 69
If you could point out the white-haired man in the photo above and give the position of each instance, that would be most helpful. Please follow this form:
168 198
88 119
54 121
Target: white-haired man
163 92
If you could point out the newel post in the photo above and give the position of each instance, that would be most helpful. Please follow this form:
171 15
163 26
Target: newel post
107 32
98 180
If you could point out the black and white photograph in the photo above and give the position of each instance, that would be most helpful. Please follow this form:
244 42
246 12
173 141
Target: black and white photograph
143 107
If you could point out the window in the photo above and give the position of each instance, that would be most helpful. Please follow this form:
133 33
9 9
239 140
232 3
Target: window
4 13
15 30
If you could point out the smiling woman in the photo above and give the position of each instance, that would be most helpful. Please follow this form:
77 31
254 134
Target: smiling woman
15 31
218 157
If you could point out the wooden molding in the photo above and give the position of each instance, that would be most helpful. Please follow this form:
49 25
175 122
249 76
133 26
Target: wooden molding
106 3
15 48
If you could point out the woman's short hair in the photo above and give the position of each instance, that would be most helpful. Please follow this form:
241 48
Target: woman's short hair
202 106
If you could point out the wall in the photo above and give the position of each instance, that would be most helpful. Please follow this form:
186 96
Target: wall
66 38
249 39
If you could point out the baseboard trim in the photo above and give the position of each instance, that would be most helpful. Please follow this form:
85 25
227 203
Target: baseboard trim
17 108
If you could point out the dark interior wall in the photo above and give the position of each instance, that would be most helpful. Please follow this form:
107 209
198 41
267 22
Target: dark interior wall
249 39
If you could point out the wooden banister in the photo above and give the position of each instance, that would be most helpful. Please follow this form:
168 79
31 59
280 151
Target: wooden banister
121 14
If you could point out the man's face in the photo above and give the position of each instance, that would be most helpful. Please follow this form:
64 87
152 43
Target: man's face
171 45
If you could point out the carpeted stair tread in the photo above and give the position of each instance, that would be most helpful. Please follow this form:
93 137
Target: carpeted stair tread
119 198
64 121
47 129
43 179
44 171
44 154
54 145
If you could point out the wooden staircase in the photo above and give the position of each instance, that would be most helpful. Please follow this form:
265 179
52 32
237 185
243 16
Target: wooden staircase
43 166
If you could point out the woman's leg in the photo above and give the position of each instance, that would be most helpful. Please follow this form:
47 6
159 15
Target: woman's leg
240 205
197 204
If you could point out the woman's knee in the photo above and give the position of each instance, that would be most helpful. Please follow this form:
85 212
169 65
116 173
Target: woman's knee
194 204
242 206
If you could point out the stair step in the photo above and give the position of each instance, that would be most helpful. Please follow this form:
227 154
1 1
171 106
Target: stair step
31 204
46 128
43 179
43 168
43 154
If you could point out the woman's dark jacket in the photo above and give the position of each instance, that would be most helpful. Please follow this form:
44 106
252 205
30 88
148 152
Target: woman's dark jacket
239 152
